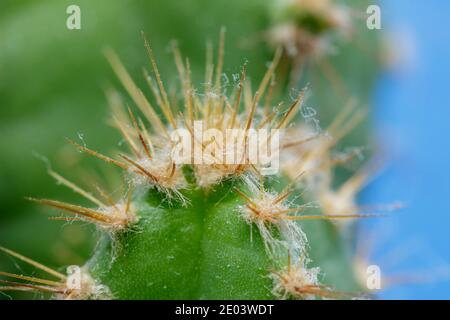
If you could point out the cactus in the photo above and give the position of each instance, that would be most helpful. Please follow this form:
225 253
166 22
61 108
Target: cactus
212 230
200 230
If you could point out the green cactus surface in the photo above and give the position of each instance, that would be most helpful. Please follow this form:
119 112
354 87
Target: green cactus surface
216 230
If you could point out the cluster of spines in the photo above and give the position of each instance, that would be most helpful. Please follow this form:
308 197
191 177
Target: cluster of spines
77 284
151 161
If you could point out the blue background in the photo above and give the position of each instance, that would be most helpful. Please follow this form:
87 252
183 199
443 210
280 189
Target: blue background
412 120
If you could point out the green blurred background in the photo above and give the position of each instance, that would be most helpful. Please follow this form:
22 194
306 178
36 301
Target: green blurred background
52 83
